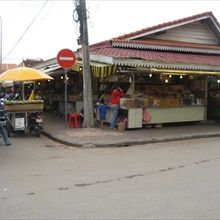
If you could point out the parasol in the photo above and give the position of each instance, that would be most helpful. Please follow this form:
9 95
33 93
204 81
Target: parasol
24 74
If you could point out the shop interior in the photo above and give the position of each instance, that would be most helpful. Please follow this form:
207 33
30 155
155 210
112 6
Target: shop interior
157 90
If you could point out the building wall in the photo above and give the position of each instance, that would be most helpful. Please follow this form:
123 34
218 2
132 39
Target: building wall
195 33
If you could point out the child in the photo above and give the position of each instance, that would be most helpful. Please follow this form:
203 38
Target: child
81 114
102 112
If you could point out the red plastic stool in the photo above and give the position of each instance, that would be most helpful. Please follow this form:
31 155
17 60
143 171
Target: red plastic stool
74 120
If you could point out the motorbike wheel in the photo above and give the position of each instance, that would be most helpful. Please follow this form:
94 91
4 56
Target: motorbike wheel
37 131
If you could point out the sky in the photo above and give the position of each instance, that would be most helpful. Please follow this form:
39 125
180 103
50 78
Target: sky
34 29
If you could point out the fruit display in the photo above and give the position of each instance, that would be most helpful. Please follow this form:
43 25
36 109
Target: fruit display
14 102
24 105
133 102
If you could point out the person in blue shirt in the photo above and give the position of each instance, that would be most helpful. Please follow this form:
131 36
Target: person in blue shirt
102 108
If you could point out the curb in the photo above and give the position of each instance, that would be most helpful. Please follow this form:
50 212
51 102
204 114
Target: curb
131 143
52 137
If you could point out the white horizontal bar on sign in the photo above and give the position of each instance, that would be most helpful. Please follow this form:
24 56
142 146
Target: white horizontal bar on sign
66 58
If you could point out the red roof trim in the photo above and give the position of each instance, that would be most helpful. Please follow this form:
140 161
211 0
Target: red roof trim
168 43
166 57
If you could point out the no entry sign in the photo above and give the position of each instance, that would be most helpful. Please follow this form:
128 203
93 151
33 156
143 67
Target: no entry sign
66 58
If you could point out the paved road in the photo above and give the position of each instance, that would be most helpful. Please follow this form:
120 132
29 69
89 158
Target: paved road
41 179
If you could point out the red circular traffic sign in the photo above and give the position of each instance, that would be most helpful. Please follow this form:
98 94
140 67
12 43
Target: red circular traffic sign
66 58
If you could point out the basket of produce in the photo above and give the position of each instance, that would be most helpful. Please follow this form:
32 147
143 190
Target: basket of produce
133 103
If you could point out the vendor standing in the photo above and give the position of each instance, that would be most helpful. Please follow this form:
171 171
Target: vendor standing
116 94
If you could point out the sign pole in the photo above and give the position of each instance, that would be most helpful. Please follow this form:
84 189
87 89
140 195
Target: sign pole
66 59
65 97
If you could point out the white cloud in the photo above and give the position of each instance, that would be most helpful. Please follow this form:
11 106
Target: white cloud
54 28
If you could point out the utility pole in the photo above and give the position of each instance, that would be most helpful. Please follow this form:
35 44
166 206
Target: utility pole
87 82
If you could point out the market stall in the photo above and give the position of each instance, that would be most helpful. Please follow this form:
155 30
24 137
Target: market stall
18 114
213 111
153 99
171 63
54 99
21 113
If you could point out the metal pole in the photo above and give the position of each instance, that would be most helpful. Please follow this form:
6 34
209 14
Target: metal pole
22 85
65 98
133 86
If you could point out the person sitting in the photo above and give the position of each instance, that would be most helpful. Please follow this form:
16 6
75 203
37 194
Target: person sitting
9 94
17 95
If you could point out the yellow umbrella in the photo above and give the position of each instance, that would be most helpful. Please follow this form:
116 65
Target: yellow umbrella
24 74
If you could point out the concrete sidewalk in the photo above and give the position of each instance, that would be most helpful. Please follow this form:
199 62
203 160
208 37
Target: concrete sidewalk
54 127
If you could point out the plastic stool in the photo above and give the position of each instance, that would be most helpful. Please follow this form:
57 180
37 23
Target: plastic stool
74 120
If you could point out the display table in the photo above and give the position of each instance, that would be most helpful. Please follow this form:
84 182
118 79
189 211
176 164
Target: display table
133 115
176 114
160 115
18 111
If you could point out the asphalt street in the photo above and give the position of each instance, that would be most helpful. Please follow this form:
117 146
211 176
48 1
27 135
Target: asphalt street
42 179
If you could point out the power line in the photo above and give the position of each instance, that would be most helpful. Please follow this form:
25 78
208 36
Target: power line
47 12
22 36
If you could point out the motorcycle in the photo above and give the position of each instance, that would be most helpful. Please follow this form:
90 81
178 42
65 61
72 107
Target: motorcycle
35 122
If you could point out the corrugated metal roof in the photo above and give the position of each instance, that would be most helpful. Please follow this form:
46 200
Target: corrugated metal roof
167 57
170 24
161 53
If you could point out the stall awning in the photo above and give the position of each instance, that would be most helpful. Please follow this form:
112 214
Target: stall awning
183 72
99 70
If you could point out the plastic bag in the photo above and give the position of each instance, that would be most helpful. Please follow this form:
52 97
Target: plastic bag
146 116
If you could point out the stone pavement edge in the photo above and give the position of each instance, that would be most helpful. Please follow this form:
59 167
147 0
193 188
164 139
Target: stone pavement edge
54 128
